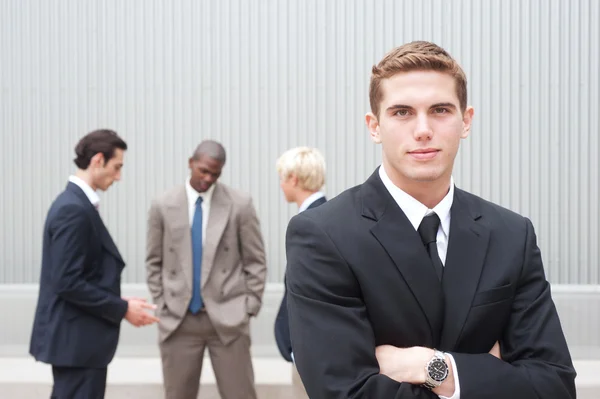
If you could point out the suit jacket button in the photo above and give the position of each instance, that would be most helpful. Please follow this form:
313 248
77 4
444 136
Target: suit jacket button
224 271
173 272
226 249
171 249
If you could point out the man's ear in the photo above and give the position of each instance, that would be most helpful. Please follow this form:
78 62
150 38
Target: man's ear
97 160
373 126
293 180
467 120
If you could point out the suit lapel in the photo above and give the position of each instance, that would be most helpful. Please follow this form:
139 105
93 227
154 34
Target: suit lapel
105 238
401 241
220 208
177 214
467 248
107 241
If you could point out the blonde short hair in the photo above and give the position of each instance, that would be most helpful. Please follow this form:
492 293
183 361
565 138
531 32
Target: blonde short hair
307 164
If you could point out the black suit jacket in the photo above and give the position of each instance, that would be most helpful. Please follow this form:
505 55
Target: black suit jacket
79 309
282 329
359 276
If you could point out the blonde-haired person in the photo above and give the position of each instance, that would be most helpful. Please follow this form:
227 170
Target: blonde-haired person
302 176
408 287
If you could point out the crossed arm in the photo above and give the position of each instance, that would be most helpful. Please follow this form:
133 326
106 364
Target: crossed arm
407 365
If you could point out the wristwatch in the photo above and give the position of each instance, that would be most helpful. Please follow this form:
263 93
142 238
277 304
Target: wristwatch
436 370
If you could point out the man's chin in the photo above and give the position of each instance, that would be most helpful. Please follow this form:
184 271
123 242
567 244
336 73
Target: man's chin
427 176
104 187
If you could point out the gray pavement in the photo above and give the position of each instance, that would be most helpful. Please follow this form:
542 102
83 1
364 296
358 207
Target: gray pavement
147 391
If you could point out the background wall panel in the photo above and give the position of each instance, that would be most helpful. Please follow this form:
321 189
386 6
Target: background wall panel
267 75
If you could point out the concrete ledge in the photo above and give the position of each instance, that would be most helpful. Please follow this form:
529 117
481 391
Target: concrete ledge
137 361
17 305
578 307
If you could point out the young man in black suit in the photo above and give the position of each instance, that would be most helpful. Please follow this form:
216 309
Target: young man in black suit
408 287
302 176
79 310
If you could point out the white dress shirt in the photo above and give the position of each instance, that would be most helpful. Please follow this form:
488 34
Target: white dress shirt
192 196
308 201
415 212
87 190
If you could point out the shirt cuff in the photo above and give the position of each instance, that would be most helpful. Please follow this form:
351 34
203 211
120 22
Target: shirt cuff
292 355
456 383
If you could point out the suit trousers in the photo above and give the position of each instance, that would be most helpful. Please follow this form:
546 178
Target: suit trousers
78 383
182 354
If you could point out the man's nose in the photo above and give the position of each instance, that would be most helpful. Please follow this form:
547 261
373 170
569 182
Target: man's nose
423 129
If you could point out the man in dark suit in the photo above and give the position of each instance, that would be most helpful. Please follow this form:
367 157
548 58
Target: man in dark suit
407 287
79 309
302 176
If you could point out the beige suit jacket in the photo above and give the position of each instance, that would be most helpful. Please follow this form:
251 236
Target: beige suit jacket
233 261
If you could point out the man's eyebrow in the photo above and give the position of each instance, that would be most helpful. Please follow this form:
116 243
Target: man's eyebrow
438 105
398 106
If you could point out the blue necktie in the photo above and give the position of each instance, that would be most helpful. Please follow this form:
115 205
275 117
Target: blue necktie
196 302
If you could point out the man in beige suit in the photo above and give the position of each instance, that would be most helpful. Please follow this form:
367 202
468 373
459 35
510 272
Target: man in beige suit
206 271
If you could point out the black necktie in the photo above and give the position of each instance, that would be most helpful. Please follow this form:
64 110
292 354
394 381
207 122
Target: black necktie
428 231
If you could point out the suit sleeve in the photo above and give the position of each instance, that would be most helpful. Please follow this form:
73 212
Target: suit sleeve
69 253
536 361
333 341
253 258
154 252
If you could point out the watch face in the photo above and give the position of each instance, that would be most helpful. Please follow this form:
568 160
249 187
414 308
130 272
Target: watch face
438 370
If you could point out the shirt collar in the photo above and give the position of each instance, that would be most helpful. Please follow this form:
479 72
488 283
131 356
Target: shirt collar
308 201
87 190
193 195
416 211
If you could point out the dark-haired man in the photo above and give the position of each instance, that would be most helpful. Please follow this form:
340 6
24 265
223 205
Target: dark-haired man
206 271
79 310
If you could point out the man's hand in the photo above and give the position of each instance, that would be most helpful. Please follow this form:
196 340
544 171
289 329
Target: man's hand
403 364
496 351
408 365
136 313
137 298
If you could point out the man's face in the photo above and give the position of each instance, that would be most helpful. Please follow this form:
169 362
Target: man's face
420 125
104 174
204 172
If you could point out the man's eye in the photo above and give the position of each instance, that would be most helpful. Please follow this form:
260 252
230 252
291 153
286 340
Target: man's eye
441 110
402 112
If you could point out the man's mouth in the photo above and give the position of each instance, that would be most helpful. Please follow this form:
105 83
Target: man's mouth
424 153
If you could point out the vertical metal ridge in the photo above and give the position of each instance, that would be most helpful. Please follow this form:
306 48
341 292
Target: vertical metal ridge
277 74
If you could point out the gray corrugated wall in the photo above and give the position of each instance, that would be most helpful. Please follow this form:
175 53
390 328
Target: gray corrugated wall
262 76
